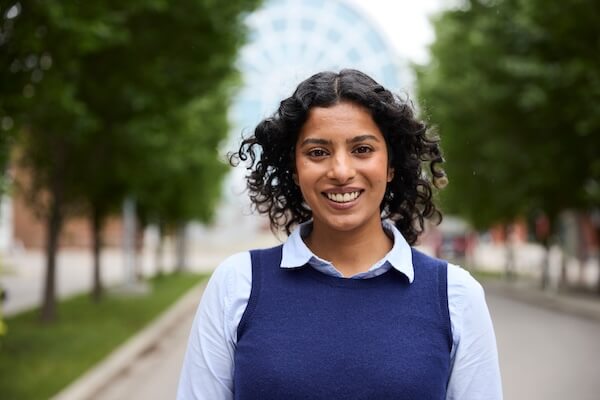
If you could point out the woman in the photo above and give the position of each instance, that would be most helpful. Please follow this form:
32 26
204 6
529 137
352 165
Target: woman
345 308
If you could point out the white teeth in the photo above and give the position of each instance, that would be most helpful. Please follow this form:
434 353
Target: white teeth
343 197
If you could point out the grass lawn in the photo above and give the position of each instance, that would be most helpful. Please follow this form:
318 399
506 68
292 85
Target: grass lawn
36 361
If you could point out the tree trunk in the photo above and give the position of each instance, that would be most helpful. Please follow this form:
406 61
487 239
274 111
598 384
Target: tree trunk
159 252
544 225
509 265
581 263
570 241
129 241
546 265
563 282
53 225
138 251
181 249
96 251
598 257
598 282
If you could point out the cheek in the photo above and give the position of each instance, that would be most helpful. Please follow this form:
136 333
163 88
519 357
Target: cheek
302 175
382 173
300 164
299 171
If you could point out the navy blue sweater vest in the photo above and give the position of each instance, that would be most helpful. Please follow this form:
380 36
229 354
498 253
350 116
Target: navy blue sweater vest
307 335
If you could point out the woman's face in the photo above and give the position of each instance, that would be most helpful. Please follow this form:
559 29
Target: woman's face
342 167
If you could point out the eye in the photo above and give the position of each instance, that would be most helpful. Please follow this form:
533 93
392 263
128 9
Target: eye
363 149
316 153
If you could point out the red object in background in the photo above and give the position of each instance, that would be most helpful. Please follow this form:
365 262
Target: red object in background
460 244
589 237
542 227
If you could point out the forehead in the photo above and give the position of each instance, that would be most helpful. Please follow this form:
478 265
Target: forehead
342 119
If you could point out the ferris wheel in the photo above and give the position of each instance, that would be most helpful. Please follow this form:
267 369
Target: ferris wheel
289 41
293 39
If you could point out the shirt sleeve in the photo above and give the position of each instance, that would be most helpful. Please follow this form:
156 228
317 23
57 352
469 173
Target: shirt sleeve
207 372
475 371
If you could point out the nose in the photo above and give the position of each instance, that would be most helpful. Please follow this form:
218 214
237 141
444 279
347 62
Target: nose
341 169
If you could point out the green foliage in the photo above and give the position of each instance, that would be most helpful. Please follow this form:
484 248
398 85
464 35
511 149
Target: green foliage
514 88
185 182
36 363
6 139
92 86
92 83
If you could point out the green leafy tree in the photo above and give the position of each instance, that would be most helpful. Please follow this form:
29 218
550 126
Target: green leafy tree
12 85
513 86
83 76
185 183
141 90
39 68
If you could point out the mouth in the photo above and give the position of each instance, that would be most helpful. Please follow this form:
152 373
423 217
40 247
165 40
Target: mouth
342 198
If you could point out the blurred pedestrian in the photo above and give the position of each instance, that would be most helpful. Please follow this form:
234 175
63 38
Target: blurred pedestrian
345 308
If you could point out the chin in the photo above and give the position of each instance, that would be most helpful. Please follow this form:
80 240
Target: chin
344 224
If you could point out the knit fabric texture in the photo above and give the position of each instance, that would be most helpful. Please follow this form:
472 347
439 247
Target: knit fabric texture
307 335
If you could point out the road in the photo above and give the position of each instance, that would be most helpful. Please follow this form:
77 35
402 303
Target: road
544 355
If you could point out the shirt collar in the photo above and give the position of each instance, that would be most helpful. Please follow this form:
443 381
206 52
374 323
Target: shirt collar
296 254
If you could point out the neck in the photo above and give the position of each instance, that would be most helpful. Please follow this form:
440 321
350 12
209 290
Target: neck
351 252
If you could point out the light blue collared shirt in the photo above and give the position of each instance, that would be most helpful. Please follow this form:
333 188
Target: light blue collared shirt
208 366
296 254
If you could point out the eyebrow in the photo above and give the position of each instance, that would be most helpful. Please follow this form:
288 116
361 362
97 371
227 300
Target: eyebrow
363 138
355 139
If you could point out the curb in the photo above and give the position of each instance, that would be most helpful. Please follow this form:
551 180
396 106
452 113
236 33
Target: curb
116 363
580 306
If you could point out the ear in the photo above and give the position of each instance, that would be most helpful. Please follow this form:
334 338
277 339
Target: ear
295 178
390 174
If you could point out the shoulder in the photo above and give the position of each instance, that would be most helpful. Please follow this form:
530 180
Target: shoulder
420 258
462 287
233 266
226 294
231 274
461 284
469 314
235 272
424 265
233 263
268 251
475 371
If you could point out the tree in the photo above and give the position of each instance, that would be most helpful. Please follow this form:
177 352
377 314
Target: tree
39 61
185 183
148 81
108 67
10 88
513 86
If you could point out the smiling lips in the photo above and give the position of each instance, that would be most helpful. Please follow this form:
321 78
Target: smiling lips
343 197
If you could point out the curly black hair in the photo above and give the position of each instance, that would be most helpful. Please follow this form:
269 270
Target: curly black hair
270 153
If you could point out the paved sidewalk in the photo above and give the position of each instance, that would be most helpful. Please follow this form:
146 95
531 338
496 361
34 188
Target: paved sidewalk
147 366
